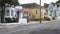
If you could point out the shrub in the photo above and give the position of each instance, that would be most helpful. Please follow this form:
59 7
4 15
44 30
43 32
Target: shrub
46 18
8 20
15 19
36 19
42 19
11 20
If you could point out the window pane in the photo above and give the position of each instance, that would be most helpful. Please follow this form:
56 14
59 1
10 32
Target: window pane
36 12
11 12
7 12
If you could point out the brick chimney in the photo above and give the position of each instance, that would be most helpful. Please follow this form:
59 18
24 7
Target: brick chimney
45 5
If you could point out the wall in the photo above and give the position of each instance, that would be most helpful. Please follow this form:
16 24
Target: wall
37 16
27 11
10 8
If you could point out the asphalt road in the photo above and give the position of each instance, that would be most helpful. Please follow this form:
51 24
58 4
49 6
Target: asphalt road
43 28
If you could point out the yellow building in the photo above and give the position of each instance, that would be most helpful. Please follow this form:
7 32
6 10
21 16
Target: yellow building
35 9
36 13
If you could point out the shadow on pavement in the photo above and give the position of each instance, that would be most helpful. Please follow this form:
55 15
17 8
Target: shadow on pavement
46 31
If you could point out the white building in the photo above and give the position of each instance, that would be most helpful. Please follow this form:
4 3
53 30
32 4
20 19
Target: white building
46 12
12 12
58 11
54 10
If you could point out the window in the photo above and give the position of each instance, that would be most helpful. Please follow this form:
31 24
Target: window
11 12
29 14
7 12
46 12
57 5
51 8
24 15
53 4
17 14
36 12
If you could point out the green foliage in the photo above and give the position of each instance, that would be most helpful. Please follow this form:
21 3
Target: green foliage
11 2
9 20
46 18
43 19
36 19
2 15
15 19
58 1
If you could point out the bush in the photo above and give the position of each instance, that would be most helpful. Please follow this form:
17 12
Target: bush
46 18
15 19
11 20
53 18
8 20
38 19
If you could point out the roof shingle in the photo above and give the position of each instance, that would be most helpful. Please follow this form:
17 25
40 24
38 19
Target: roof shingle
30 5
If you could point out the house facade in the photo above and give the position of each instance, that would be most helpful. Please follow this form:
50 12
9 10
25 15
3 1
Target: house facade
36 13
54 10
12 13
58 11
47 12
52 7
33 11
28 11
43 11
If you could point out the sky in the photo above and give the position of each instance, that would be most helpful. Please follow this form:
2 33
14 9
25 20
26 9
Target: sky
36 1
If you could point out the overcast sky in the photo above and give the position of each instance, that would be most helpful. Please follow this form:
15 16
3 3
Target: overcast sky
36 1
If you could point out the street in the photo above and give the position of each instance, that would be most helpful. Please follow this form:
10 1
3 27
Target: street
43 28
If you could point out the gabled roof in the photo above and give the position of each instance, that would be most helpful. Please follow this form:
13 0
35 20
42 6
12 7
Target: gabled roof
30 5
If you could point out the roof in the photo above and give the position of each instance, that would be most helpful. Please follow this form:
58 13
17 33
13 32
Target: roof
42 7
30 5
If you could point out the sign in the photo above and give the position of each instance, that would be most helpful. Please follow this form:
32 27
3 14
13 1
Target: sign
22 21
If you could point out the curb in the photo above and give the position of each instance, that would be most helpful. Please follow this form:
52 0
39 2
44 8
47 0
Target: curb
11 25
7 24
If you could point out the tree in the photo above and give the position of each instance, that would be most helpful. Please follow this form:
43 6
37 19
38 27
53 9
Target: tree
2 5
11 2
58 1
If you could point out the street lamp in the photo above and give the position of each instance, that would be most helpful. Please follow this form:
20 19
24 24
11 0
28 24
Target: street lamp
40 11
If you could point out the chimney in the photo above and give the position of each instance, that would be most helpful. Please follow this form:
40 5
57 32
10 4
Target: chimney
45 5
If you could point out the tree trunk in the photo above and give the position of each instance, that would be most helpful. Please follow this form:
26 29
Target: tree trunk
2 14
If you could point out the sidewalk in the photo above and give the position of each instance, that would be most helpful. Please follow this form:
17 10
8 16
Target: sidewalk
8 25
11 25
36 22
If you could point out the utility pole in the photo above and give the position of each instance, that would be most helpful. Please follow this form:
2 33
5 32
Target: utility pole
40 11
